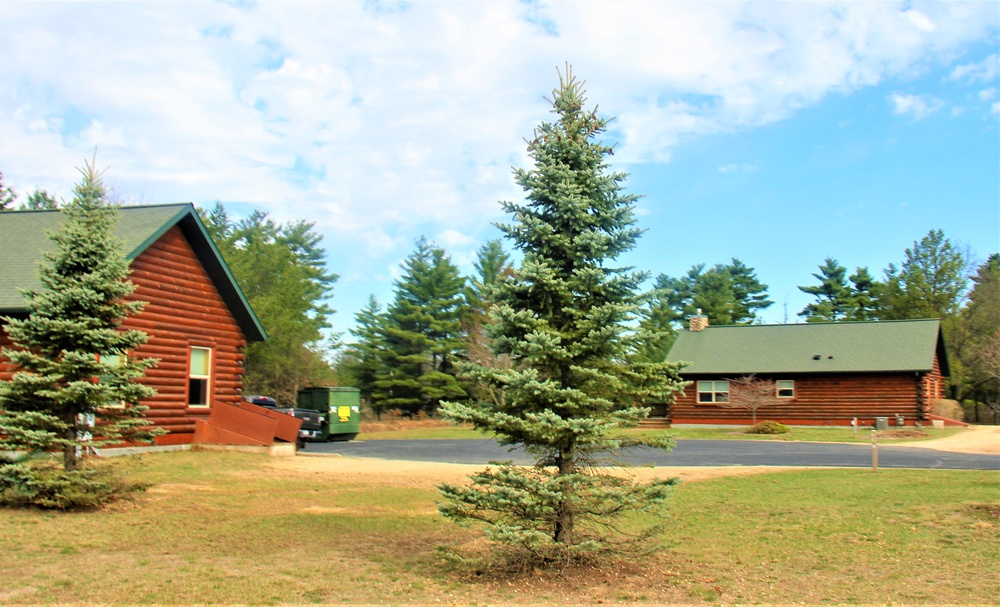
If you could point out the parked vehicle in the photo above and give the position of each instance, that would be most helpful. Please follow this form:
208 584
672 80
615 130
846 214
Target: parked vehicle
341 406
313 421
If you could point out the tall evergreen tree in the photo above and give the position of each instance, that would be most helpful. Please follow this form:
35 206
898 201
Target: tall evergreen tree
832 294
362 360
972 341
281 270
76 374
7 196
749 294
862 303
491 264
712 293
726 294
40 200
931 282
659 318
423 334
563 321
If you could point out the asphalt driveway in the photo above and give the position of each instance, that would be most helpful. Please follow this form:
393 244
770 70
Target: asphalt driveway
687 453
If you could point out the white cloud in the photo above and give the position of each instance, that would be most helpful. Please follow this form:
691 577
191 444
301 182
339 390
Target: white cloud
382 122
397 116
920 20
453 238
916 106
738 168
986 70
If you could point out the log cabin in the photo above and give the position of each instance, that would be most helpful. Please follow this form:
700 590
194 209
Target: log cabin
828 374
197 318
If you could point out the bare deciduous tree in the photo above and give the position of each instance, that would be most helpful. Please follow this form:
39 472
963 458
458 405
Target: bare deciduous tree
989 354
752 393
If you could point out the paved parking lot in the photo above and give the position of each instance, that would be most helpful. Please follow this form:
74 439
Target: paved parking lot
687 453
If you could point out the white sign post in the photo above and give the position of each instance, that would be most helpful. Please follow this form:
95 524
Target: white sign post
874 453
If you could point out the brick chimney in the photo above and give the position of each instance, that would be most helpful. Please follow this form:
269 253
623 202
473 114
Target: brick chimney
698 321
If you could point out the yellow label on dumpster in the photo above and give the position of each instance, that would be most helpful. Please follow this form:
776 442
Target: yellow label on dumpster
344 413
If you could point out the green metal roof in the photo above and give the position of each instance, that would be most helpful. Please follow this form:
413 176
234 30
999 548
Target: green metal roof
24 235
903 345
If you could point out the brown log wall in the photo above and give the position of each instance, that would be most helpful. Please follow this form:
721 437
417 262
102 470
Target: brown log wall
832 399
183 309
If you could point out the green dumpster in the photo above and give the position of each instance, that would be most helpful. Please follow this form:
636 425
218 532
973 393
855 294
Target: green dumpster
341 409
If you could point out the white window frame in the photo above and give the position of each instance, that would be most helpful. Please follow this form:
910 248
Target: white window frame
198 377
789 385
715 390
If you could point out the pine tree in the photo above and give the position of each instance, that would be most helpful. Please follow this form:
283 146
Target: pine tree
712 293
728 294
362 363
863 300
659 318
40 200
491 264
563 321
74 362
422 334
749 293
930 283
832 294
7 196
281 270
972 339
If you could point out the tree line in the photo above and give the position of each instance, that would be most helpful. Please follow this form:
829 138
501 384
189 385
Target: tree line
403 357
37 200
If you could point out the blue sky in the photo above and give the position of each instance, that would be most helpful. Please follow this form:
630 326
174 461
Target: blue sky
779 133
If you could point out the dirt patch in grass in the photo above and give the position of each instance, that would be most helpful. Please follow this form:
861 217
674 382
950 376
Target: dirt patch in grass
973 439
890 434
424 475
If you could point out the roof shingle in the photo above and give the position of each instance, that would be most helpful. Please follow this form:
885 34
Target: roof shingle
24 235
906 345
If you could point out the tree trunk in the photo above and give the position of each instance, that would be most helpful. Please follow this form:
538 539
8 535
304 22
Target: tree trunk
564 524
69 450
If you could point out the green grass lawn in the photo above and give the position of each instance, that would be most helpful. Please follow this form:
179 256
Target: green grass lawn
817 434
230 528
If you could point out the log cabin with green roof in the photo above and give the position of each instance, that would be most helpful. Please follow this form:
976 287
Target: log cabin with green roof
196 316
825 374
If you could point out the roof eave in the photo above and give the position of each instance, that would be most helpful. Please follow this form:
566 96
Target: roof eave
190 223
208 254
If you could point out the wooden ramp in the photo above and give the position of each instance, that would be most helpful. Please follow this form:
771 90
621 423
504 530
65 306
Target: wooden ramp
246 424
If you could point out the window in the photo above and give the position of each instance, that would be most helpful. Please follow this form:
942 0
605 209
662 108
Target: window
199 376
786 388
114 361
713 392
